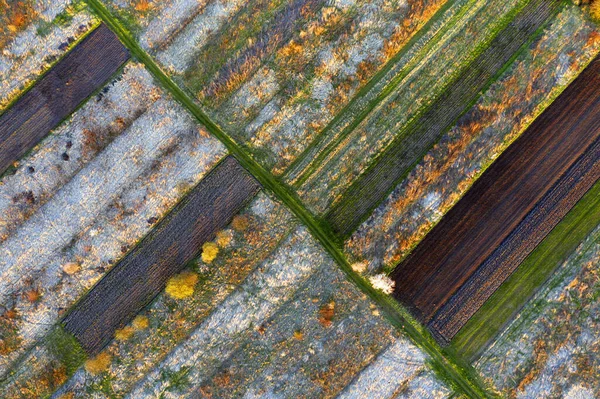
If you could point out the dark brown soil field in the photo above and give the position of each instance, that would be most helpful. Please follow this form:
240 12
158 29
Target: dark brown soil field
59 92
413 141
143 272
571 187
514 204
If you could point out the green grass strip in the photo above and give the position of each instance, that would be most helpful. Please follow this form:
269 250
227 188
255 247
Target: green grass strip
65 347
499 309
457 373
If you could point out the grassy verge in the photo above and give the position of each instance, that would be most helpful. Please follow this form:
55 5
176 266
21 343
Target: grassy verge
458 374
530 275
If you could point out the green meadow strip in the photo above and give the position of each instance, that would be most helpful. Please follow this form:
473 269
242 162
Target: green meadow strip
457 373
512 295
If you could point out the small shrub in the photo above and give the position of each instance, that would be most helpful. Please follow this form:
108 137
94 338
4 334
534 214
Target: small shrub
98 364
382 283
240 223
123 334
182 285
140 322
224 238
595 10
210 250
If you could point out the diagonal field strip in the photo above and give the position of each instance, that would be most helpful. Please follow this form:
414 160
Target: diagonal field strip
547 213
456 372
143 272
59 92
418 136
504 195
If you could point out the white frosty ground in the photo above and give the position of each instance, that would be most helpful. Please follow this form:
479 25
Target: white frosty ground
110 115
36 251
180 54
253 302
388 373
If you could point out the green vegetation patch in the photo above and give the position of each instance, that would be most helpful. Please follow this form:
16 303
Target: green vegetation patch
65 348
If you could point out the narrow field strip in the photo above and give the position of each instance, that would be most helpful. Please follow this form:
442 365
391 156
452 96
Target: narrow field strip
381 85
323 314
421 134
497 202
421 82
454 371
59 92
548 212
513 294
144 271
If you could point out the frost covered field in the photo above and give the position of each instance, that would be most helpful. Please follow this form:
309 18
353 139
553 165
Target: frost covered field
357 125
67 219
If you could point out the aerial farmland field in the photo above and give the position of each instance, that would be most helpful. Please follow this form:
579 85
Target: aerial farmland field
299 199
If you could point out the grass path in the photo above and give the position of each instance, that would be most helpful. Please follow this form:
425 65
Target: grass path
456 372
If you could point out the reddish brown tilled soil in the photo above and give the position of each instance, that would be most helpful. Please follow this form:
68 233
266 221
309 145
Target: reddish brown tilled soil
503 196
